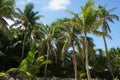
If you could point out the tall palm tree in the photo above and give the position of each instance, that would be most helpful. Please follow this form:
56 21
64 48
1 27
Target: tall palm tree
27 19
87 20
105 17
89 24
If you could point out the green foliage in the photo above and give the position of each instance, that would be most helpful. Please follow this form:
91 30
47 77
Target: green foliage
2 74
27 64
60 49
7 10
17 74
41 61
46 62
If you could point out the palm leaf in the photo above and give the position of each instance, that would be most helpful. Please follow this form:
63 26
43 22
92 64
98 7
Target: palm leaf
112 16
89 3
98 33
68 11
112 9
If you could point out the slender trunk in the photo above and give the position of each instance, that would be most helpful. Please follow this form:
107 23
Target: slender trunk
74 61
45 72
106 51
83 51
86 58
30 42
55 54
23 47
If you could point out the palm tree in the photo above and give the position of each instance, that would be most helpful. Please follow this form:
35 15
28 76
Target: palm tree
49 40
69 35
105 16
86 24
28 20
46 37
87 20
89 24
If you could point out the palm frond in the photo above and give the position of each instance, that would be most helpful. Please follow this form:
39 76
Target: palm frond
68 11
112 16
99 33
19 11
112 9
89 3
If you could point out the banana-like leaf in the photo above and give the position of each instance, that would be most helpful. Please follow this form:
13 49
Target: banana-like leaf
27 64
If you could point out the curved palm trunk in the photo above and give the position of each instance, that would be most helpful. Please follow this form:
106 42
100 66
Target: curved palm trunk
106 51
74 61
86 58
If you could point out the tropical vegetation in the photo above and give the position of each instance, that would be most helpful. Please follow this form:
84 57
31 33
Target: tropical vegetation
31 50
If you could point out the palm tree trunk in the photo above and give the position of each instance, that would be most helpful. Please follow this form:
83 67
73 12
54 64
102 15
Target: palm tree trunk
74 61
55 54
86 58
106 51
45 72
23 47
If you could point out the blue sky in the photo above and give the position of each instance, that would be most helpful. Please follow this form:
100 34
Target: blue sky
53 9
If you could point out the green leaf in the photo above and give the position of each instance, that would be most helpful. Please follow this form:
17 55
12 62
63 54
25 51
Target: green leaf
98 33
2 74
46 62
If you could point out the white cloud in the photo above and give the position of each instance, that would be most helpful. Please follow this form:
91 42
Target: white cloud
56 5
